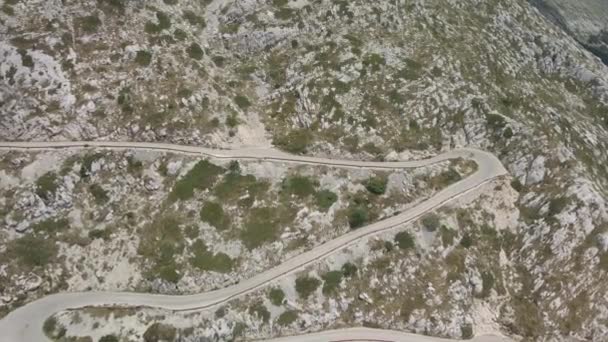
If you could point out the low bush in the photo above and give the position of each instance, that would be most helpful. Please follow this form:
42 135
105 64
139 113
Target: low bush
405 240
259 310
159 332
242 101
276 296
46 186
287 317
325 199
430 222
99 194
195 51
202 176
213 213
331 282
297 141
376 185
349 270
357 217
143 58
299 186
306 285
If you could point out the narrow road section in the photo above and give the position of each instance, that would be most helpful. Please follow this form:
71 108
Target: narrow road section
25 323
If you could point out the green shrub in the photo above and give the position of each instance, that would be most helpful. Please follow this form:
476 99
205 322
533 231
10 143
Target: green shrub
46 185
405 240
202 176
466 241
495 121
164 22
300 186
447 236
331 281
213 213
296 141
557 205
357 217
325 199
99 194
100 234
32 250
90 23
487 280
218 61
232 120
195 51
51 226
259 310
466 331
445 178
287 317
108 338
134 166
161 241
261 226
305 286
516 185
87 163
143 58
349 270
376 185
279 3
242 101
194 20
234 185
52 329
207 261
430 222
159 332
276 296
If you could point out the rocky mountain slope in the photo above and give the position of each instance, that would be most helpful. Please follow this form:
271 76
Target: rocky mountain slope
361 79
586 21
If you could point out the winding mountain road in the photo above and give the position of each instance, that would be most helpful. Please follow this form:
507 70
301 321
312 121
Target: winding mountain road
25 323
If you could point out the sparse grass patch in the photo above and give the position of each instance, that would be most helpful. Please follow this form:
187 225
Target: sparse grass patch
306 285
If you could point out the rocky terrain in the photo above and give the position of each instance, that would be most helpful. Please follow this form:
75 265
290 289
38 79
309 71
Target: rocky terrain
368 80
584 20
77 221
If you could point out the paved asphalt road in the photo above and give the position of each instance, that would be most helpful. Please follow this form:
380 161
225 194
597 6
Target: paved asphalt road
25 323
